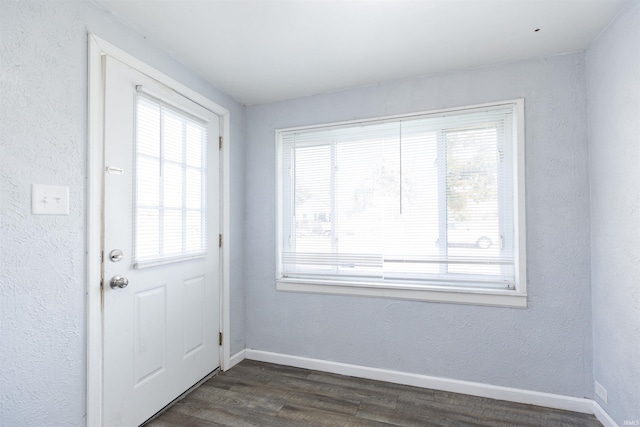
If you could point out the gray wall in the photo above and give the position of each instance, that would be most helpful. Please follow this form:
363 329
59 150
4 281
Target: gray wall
613 76
43 128
546 347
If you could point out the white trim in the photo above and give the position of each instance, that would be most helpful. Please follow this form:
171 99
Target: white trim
236 358
602 416
141 265
94 196
528 397
95 164
225 229
400 116
497 298
519 208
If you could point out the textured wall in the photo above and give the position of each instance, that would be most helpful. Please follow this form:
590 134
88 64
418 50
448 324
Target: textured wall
43 127
546 347
613 76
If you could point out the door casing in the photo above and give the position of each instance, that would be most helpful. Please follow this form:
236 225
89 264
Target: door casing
94 225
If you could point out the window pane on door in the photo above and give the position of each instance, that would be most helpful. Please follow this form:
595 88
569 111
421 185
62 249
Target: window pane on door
172 185
169 182
147 233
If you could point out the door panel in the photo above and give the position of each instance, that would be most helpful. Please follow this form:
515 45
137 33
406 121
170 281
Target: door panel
161 330
149 334
193 315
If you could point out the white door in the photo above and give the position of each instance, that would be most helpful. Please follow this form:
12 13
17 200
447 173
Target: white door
161 213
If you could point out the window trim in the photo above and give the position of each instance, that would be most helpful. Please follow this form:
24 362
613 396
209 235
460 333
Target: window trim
423 292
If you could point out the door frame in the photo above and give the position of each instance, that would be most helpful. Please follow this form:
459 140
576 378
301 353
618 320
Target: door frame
97 48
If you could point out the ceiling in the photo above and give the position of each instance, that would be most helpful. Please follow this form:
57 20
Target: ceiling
260 51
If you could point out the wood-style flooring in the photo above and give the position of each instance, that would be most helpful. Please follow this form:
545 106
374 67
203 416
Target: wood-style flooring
264 394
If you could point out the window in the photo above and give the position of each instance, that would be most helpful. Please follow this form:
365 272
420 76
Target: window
425 206
169 183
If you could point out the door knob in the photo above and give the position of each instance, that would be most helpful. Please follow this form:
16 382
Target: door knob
119 282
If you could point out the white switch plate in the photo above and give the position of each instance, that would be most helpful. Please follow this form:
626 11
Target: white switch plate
49 200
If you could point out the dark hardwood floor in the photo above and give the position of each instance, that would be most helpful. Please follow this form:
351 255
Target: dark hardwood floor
263 394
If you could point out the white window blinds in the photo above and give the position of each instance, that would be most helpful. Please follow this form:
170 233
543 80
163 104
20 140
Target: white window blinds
170 182
421 200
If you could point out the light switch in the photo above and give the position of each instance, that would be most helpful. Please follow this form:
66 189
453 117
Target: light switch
49 200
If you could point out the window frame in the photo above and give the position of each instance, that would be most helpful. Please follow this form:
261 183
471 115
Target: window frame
424 292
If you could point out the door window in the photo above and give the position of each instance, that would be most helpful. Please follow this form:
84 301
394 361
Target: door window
170 148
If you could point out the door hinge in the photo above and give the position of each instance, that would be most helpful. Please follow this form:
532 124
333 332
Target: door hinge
219 338
220 143
220 240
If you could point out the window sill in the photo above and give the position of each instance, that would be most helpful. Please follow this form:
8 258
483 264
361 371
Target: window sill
169 260
490 297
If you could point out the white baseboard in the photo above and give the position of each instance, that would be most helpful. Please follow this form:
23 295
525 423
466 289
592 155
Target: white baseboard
602 416
236 358
456 386
549 400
